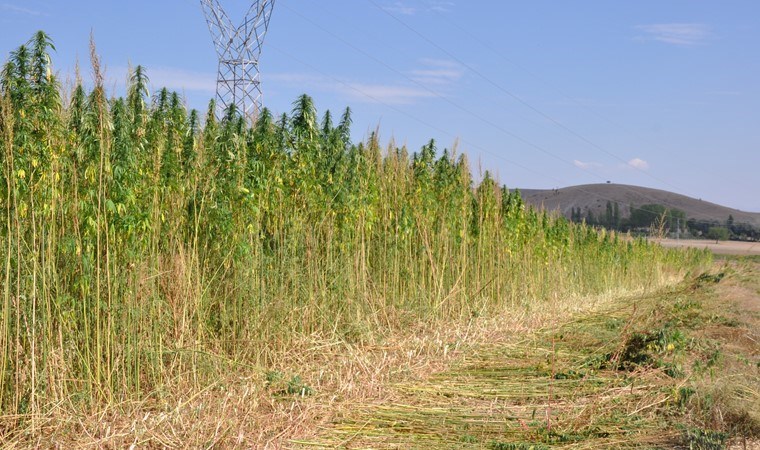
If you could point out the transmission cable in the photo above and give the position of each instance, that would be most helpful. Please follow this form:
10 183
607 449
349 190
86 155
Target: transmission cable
516 97
465 110
485 44
447 133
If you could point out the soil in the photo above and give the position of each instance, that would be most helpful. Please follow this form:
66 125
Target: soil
737 248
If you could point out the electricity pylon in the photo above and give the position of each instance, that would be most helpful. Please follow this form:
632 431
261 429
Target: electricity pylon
239 48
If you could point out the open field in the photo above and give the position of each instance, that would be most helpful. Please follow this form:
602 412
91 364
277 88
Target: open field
720 248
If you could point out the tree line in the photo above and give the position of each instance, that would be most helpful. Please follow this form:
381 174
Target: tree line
643 218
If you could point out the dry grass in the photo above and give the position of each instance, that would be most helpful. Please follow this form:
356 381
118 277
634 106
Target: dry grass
523 377
536 386
172 285
250 406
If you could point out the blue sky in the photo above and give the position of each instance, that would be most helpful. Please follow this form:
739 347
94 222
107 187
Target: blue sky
658 93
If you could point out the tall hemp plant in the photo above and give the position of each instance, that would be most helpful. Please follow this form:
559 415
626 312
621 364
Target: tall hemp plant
144 244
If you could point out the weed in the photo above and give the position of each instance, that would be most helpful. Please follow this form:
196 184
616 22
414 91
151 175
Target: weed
468 439
673 370
614 324
296 386
273 377
698 439
570 375
682 396
517 446
275 381
647 349
708 278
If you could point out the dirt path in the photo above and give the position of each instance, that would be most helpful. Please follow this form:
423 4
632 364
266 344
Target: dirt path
719 248
679 369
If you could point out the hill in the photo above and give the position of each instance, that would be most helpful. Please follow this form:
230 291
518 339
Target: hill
594 197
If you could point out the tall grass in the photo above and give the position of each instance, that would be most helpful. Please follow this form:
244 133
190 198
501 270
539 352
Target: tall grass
139 244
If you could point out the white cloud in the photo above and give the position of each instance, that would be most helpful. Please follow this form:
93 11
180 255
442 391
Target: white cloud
410 8
182 80
638 163
437 72
383 93
684 34
586 165
440 6
401 8
19 9
429 79
172 78
390 93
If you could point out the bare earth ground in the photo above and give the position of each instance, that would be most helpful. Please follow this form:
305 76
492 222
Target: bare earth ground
719 248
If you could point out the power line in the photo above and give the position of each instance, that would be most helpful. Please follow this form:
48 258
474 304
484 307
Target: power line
440 130
477 116
407 114
516 97
463 109
485 44
527 104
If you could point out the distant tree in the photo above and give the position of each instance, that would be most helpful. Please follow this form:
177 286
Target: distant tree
609 219
575 214
676 218
616 216
590 219
699 227
718 234
646 215
745 232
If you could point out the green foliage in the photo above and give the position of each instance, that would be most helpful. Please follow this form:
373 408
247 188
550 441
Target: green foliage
276 382
646 215
697 439
518 446
718 234
650 215
468 439
650 349
134 234
709 278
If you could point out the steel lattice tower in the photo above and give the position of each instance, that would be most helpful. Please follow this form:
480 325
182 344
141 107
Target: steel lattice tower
239 48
